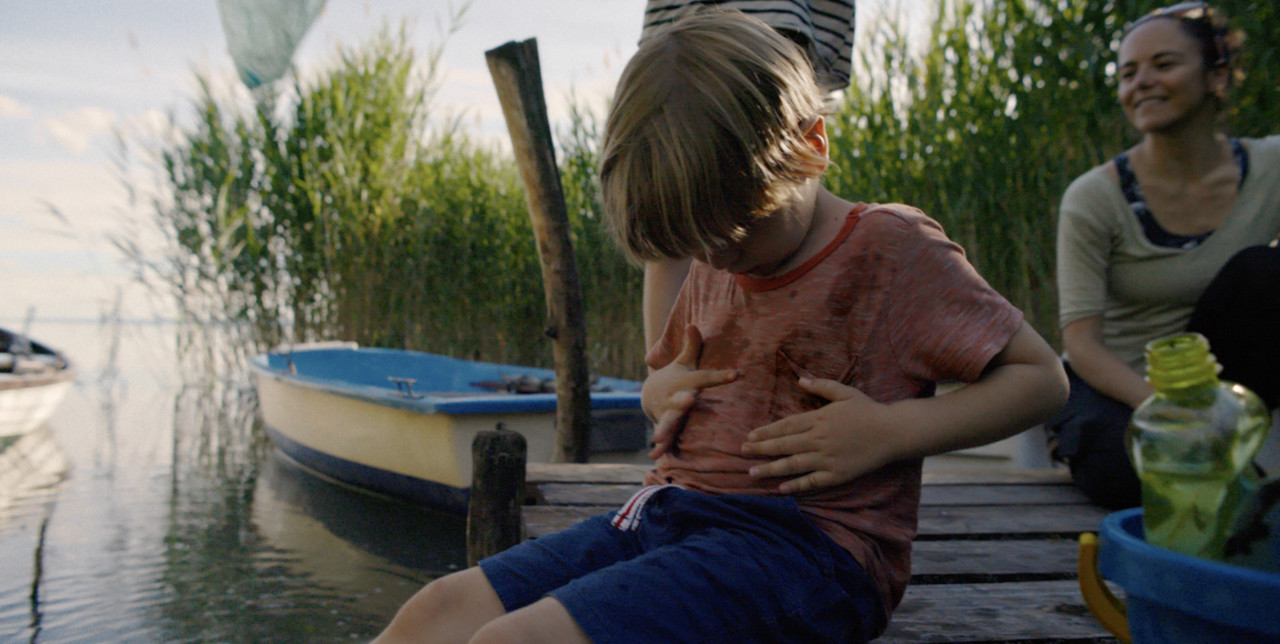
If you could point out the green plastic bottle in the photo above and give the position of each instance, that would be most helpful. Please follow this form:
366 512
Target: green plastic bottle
1192 444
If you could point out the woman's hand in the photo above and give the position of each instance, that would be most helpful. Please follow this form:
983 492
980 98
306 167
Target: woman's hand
824 447
669 392
1098 366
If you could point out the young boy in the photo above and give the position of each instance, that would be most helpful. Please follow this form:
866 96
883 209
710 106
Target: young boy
792 387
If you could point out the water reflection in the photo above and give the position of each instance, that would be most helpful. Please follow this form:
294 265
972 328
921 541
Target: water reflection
172 519
286 556
32 467
309 514
259 549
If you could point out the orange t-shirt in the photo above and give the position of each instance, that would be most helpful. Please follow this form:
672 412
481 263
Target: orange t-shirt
891 306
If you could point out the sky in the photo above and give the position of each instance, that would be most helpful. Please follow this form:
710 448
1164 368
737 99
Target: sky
74 74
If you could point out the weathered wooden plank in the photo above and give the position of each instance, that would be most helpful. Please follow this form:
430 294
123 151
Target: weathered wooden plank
995 561
558 493
948 521
1037 611
603 494
1011 611
936 522
946 559
586 473
634 473
542 520
969 561
996 474
1002 494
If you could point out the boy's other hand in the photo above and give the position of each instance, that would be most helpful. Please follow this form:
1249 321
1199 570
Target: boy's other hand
669 392
824 447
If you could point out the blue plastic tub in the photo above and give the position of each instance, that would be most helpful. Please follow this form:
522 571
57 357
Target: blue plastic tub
1174 598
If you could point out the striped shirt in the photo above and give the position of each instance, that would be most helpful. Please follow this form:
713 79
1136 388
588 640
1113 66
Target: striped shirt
825 26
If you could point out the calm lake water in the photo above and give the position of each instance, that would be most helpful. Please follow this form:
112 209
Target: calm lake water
176 521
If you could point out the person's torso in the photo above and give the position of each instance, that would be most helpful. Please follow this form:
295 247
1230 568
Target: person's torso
1152 288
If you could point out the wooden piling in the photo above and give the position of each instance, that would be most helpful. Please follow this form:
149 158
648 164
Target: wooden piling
518 78
494 518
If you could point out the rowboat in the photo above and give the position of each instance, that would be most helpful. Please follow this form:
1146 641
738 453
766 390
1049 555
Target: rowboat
33 380
401 423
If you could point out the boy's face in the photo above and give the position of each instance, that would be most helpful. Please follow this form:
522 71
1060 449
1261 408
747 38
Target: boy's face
773 240
770 241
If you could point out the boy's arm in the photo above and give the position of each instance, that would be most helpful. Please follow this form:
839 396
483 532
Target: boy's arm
1023 385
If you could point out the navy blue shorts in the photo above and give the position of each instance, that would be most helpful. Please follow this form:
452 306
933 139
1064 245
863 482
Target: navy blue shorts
680 566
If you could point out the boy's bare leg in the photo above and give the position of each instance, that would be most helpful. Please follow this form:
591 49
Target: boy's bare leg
543 622
463 607
449 609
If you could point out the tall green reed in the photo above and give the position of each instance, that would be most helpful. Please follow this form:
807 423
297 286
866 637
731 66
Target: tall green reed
349 208
1007 101
983 130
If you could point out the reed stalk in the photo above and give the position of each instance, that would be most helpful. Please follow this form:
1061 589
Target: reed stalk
349 208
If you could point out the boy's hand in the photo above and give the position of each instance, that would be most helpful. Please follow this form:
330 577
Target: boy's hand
824 445
670 392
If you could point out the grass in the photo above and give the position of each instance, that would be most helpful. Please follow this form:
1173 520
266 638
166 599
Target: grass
346 208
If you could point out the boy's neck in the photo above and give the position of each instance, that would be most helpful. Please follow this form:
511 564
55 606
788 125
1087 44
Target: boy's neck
829 215
826 219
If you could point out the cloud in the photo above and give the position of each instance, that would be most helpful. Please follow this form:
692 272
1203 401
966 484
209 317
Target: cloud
148 125
12 108
75 130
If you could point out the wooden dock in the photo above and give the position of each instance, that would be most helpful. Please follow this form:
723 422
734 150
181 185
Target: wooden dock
995 559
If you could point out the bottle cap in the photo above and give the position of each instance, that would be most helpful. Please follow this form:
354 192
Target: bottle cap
1180 361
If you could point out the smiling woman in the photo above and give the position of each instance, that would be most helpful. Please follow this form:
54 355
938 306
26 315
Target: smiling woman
1140 239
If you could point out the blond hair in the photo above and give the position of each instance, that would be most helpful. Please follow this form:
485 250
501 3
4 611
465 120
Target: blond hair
707 133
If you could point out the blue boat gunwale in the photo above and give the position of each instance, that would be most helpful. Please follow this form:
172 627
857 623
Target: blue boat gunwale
427 402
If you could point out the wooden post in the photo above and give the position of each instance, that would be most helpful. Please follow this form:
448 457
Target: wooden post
518 79
494 520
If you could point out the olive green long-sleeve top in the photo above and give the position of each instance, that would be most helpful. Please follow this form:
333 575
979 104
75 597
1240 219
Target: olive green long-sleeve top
1107 267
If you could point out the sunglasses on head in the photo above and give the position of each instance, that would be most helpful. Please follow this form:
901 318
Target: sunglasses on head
1184 11
1187 10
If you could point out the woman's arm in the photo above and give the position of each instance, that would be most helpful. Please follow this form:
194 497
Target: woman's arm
1082 342
1087 230
1023 385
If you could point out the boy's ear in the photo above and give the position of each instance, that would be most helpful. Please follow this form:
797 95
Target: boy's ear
816 134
